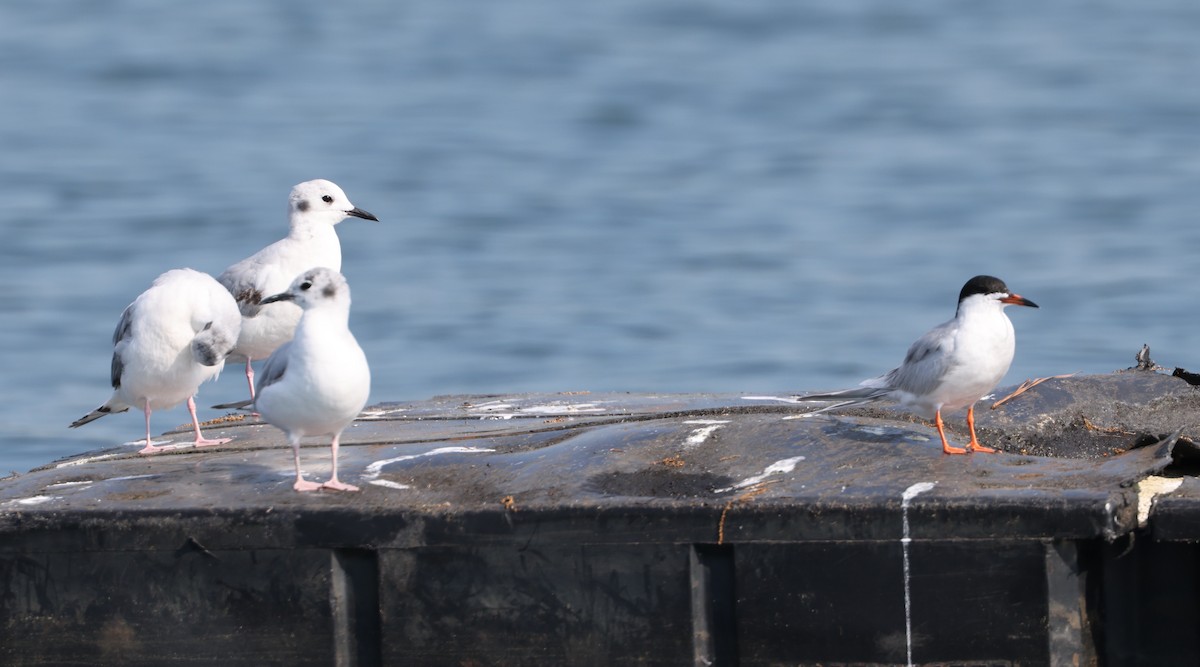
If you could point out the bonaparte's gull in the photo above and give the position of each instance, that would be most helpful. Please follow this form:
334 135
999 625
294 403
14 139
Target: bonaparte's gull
953 365
317 383
314 207
172 338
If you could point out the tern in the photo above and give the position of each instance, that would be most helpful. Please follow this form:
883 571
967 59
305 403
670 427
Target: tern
952 366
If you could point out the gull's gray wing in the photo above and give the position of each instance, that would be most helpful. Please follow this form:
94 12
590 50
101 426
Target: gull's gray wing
123 325
274 369
121 334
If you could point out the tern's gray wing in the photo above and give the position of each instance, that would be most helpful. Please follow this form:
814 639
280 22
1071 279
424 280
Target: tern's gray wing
274 369
927 362
122 333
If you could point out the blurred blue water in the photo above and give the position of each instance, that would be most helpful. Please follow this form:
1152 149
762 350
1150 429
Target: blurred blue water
643 195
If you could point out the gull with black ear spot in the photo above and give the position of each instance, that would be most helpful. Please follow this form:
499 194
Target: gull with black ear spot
173 337
317 383
314 208
952 366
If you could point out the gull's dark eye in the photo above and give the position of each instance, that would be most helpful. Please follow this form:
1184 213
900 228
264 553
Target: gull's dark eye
305 285
327 199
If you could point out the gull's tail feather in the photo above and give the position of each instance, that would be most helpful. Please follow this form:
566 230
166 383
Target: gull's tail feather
94 415
239 405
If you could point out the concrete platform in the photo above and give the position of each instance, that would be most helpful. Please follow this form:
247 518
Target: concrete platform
627 529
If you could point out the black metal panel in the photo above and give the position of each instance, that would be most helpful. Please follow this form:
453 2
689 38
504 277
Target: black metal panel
187 606
541 604
844 603
1151 599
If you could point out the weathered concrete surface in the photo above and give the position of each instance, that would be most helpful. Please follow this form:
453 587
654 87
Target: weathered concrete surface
479 511
458 454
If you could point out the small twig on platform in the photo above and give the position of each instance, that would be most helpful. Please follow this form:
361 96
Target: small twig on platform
756 490
1026 386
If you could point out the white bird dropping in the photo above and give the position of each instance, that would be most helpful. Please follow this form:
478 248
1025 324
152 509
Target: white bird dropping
953 365
317 383
314 207
173 337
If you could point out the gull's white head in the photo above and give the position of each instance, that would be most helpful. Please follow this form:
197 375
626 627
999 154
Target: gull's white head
322 201
314 288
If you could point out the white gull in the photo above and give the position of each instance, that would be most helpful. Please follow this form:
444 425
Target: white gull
314 207
173 337
317 383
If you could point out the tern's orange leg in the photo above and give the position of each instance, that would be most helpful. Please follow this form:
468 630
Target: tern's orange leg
941 427
974 444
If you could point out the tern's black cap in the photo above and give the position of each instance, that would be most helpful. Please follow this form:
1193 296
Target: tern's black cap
993 285
983 285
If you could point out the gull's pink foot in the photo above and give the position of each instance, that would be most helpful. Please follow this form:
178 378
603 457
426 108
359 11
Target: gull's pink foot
205 442
305 485
151 449
335 485
200 440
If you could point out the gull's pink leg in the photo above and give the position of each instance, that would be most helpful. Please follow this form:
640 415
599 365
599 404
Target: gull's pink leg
201 441
301 484
250 377
149 448
333 484
250 381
